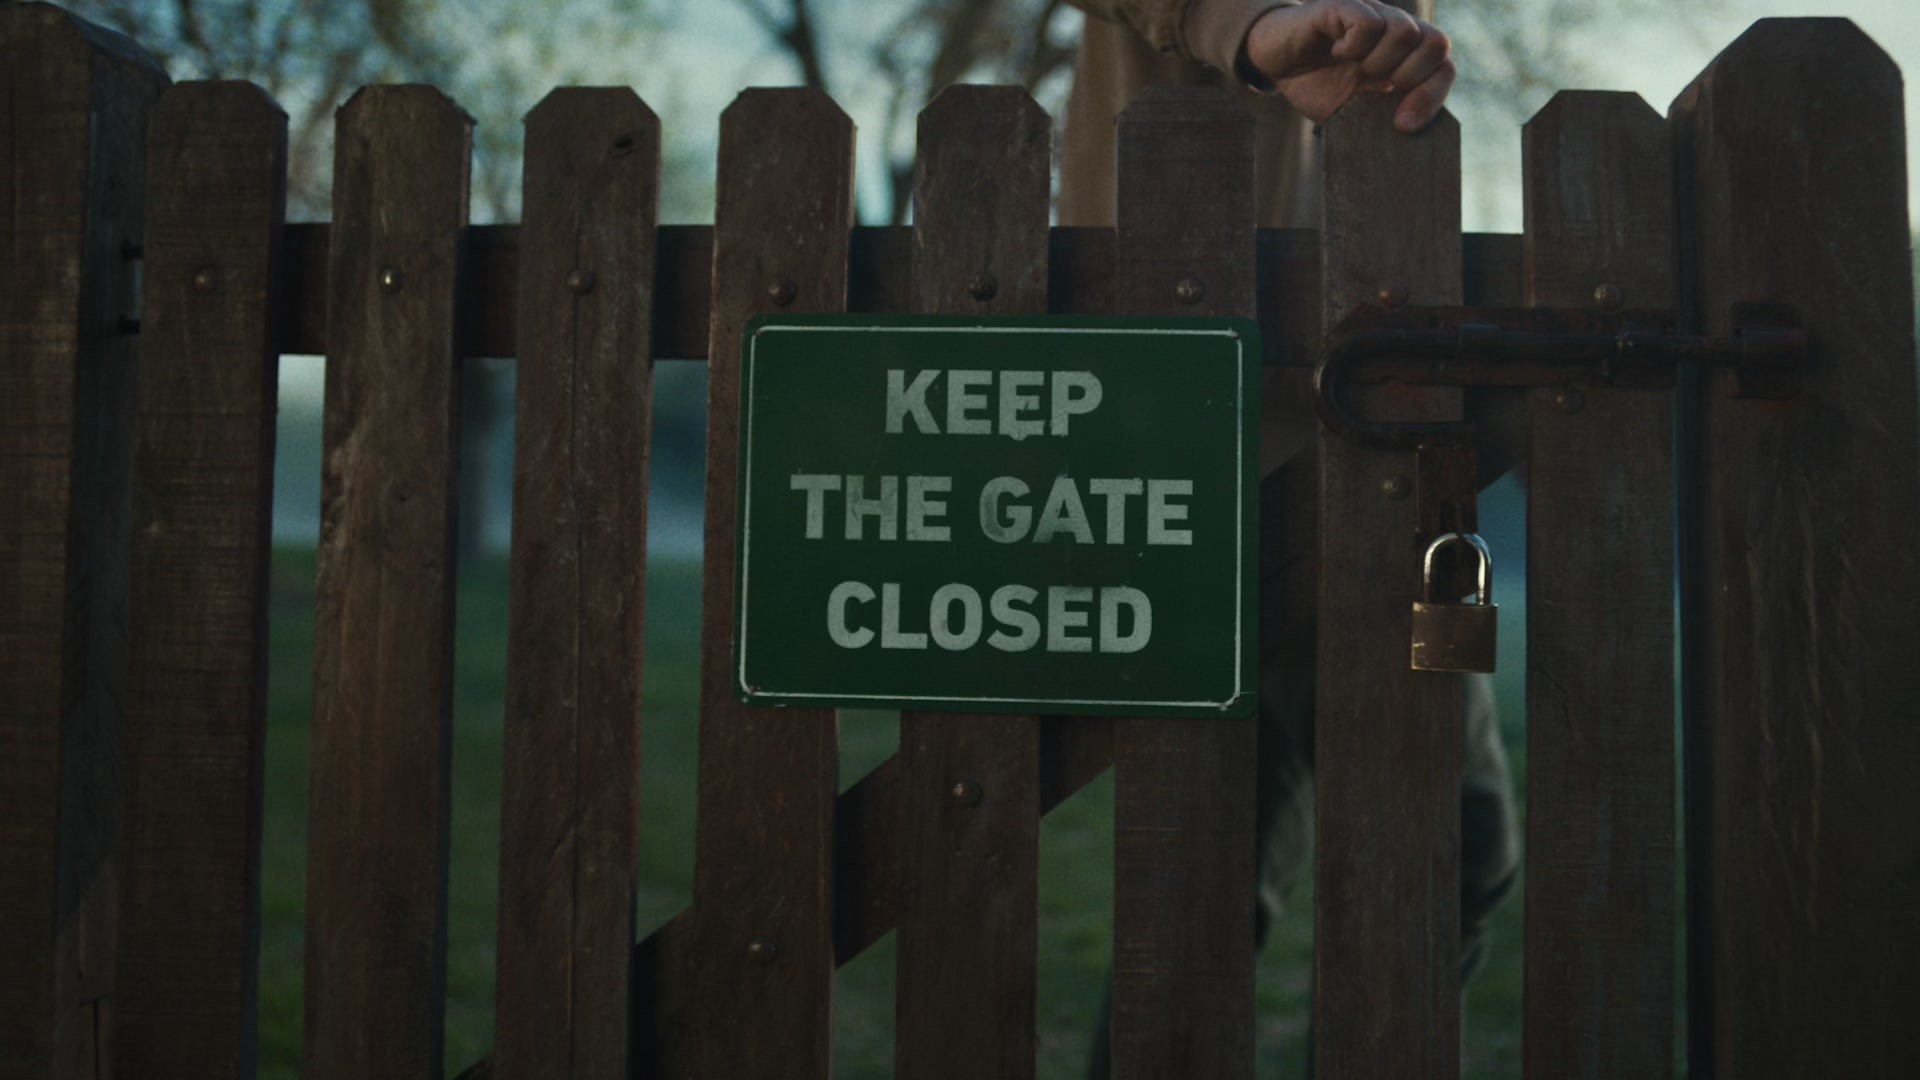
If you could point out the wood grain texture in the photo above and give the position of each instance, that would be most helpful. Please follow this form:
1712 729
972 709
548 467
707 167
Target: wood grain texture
1600 747
570 797
73 137
1183 789
1079 273
967 978
378 789
763 860
1387 740
202 510
1800 585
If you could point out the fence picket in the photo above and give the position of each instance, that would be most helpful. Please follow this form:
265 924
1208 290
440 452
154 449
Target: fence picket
197 667
1800 577
1600 754
1388 741
377 795
763 864
569 801
969 864
1183 789
73 132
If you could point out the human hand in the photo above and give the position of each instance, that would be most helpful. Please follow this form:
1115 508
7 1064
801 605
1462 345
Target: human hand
1322 52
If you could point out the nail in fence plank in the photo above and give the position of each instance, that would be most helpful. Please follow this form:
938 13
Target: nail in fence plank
1801 630
967 979
569 802
202 510
1079 269
1388 740
378 784
1183 794
73 136
763 864
1600 753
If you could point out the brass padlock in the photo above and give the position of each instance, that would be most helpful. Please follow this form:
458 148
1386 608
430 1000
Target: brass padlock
1454 636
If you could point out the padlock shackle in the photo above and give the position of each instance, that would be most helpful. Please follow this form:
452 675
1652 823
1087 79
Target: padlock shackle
1484 581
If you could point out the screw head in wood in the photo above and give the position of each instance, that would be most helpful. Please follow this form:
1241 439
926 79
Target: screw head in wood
1608 296
966 792
1569 400
580 282
1393 296
1191 290
983 287
1396 487
782 292
762 952
206 279
391 279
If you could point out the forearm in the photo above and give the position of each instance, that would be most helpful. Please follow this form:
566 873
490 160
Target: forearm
1209 31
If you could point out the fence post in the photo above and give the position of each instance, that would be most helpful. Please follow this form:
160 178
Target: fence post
1183 845
73 134
1599 933
569 801
197 667
1800 575
377 796
1388 741
968 913
762 1004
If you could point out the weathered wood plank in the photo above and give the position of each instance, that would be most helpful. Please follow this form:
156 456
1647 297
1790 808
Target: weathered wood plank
1079 271
969 854
1388 741
378 783
73 137
197 667
763 865
569 801
1800 584
1183 789
1600 751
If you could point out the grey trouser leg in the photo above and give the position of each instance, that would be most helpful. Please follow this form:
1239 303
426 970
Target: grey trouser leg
1489 837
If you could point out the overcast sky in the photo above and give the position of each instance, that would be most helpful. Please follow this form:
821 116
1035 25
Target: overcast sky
717 51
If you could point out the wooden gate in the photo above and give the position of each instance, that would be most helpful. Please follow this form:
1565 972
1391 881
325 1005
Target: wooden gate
150 281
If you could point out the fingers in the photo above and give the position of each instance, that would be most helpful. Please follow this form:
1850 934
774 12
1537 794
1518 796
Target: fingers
1400 36
1322 52
1412 55
1424 101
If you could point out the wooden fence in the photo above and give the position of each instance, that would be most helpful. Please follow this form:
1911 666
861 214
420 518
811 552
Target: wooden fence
150 281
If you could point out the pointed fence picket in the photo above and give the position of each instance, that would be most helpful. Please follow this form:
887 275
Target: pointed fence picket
132 606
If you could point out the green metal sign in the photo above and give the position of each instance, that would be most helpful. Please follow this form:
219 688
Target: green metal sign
1012 515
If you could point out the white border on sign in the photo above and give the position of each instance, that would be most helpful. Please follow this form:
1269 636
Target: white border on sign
1239 519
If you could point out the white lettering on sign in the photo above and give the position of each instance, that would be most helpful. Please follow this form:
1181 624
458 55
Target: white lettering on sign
1115 492
1063 513
1005 519
1013 403
921 510
1068 629
816 485
886 508
1070 394
904 401
1160 511
843 594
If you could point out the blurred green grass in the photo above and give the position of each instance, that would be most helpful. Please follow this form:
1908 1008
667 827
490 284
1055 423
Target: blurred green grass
1076 852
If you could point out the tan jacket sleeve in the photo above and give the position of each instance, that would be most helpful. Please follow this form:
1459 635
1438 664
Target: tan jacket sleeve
1210 31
